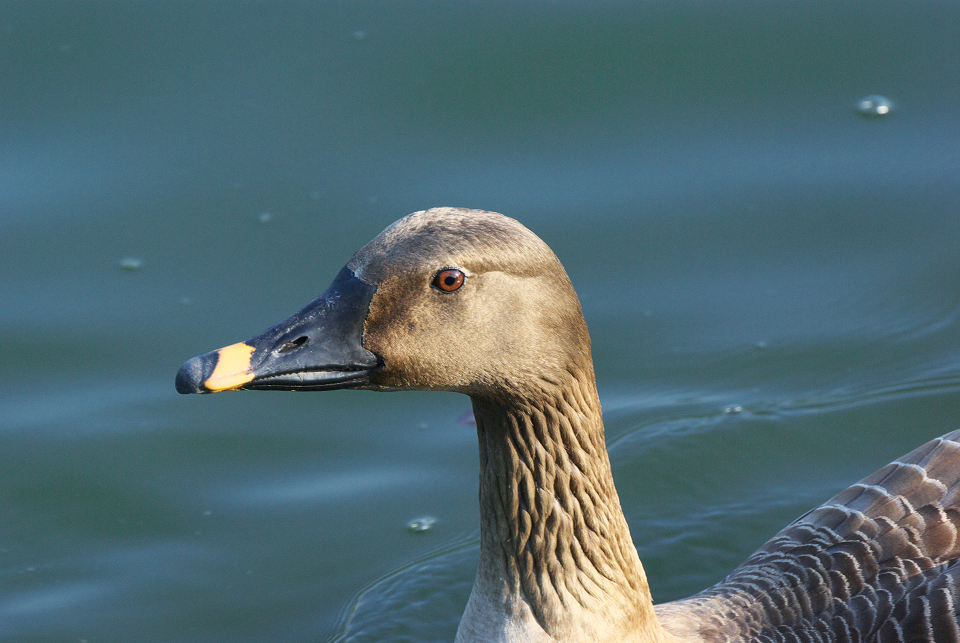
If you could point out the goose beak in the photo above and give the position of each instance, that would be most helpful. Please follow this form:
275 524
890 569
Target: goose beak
319 348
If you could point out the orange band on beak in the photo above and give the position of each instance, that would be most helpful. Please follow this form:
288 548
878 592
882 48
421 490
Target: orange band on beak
233 368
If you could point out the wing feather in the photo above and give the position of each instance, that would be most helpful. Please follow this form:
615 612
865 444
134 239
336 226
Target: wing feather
876 563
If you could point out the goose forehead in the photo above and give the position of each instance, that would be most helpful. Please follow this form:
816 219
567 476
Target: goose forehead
431 239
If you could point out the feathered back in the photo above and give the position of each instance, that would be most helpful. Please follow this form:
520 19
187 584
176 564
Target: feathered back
875 563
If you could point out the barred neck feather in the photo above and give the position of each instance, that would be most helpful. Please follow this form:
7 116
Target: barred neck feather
556 557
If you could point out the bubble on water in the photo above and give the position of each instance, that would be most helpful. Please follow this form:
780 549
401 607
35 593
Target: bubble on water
130 263
874 106
419 525
265 217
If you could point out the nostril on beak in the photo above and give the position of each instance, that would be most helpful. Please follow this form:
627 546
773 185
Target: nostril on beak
286 347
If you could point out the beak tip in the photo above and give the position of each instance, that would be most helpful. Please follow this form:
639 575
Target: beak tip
192 375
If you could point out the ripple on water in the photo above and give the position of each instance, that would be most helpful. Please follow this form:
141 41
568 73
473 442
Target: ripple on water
421 524
75 594
48 600
130 264
328 487
874 106
420 602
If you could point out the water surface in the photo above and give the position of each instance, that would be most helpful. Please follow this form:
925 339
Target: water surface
770 279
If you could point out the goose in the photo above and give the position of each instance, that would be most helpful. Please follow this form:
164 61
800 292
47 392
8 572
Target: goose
471 301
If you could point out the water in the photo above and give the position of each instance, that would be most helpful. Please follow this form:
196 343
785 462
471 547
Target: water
739 236
875 106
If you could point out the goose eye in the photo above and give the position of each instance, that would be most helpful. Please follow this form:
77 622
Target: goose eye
448 280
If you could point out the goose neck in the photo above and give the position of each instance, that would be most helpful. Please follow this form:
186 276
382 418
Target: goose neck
556 554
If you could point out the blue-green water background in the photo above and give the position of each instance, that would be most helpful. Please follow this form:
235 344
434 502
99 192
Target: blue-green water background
772 283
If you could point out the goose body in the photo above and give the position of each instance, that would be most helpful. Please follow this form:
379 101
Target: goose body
473 302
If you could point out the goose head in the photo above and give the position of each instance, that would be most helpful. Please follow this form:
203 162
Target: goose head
443 299
472 302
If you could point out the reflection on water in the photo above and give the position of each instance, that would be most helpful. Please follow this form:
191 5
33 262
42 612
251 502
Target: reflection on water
770 281
424 598
874 106
320 488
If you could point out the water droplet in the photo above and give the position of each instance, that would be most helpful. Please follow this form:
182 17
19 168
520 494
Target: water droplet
130 263
265 217
424 523
359 35
874 106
